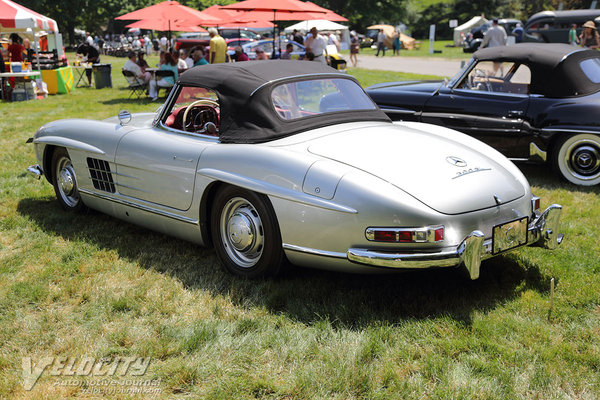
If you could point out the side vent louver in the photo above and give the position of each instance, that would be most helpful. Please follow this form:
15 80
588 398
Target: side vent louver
101 175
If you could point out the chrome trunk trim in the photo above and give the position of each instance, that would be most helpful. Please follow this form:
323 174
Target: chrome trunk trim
542 232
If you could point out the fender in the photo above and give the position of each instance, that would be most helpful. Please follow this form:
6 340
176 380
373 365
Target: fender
270 189
68 143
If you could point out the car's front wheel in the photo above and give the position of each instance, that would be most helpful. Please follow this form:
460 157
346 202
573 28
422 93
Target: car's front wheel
65 181
577 158
245 233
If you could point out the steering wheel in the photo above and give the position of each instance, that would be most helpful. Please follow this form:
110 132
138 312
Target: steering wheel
479 73
213 105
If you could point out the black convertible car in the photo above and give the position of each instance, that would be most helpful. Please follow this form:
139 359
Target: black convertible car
529 101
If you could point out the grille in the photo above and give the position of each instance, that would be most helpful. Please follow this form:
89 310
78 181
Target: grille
101 175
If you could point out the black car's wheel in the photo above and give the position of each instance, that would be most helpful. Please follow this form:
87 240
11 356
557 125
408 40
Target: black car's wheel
65 181
245 233
577 158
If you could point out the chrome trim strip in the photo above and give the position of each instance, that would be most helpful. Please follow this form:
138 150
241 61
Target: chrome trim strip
68 143
141 207
396 111
274 190
324 75
575 130
536 154
315 252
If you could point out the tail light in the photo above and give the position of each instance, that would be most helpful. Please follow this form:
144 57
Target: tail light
429 234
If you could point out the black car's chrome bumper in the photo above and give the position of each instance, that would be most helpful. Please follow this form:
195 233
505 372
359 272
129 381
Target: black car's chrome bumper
542 231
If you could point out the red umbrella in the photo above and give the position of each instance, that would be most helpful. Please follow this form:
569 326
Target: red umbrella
329 15
233 18
170 11
160 25
288 7
169 15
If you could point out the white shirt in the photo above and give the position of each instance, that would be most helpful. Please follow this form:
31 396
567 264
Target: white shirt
380 37
317 45
182 64
132 67
90 40
190 62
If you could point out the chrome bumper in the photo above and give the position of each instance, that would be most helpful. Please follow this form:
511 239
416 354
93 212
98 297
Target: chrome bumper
542 232
35 170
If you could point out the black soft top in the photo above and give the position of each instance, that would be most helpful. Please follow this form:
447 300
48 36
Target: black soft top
555 67
244 91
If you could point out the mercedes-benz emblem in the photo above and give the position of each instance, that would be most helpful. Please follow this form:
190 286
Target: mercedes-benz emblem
457 162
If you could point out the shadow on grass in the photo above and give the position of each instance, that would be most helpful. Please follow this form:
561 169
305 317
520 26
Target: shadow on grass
543 175
305 295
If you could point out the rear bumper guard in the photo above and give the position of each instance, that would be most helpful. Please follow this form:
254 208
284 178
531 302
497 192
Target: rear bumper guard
541 232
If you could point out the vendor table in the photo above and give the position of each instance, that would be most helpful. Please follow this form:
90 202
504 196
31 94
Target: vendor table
79 74
59 81
19 76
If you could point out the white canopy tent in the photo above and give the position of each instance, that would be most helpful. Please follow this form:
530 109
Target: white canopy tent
18 19
323 25
466 28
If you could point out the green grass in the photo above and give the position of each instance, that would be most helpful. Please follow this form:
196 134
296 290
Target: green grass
93 286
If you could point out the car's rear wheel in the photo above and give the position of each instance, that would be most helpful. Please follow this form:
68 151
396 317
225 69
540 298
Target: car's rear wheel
245 233
577 159
65 181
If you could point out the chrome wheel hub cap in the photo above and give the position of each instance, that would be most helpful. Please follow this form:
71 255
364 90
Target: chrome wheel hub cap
585 160
67 183
65 180
242 232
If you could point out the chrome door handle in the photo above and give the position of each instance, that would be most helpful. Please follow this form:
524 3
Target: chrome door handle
515 113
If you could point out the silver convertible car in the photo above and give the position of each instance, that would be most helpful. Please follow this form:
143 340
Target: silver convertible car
275 160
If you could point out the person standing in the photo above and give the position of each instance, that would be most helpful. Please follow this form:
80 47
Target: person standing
15 49
218 47
90 55
354 48
518 33
573 39
380 43
589 37
317 45
297 37
495 36
397 43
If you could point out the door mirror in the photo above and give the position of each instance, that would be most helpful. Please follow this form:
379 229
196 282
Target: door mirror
124 117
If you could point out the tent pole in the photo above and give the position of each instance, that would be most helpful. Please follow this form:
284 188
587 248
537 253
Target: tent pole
274 27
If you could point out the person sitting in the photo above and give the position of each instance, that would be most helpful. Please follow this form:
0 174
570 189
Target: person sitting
287 55
185 56
240 55
181 64
132 65
167 64
141 61
89 54
198 56
261 55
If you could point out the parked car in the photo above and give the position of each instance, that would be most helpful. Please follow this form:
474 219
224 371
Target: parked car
529 101
473 40
266 45
269 160
554 26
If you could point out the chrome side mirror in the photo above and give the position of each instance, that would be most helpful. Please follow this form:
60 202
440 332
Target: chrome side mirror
124 117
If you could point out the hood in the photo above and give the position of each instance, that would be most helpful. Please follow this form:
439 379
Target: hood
138 120
444 174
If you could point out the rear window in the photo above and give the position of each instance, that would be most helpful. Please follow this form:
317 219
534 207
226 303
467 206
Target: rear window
319 96
591 69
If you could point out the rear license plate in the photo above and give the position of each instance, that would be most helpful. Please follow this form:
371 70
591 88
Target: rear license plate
509 235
